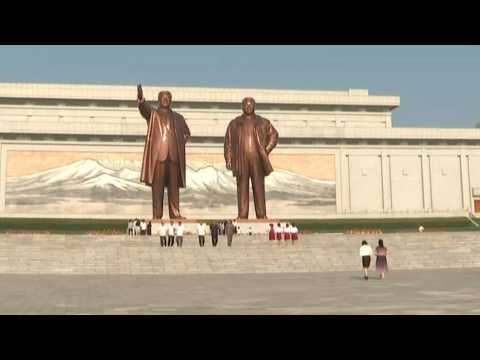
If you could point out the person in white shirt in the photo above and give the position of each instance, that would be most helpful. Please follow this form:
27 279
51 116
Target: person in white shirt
286 232
179 234
278 231
365 254
294 232
171 234
236 226
162 231
201 233
136 227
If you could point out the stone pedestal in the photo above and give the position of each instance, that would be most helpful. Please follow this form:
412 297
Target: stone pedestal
255 226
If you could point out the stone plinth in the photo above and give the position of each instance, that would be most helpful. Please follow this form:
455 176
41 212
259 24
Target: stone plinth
255 226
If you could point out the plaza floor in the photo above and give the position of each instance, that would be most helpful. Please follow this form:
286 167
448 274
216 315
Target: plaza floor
402 292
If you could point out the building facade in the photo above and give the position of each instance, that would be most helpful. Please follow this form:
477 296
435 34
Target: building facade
76 150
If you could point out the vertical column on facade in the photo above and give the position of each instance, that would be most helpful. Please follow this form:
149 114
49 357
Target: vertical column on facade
464 182
470 190
426 184
339 181
386 182
3 176
388 120
345 183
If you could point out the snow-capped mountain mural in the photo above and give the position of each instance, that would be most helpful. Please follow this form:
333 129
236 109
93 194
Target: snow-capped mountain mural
105 186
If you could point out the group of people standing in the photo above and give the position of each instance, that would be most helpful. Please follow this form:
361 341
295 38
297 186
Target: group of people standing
381 261
278 232
169 233
172 232
139 227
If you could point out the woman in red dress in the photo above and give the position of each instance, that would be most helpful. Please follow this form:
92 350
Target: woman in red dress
294 232
271 233
286 233
278 232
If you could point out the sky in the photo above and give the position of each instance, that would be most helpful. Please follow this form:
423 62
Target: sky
439 86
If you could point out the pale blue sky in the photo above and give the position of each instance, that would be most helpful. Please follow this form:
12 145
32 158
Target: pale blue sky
439 86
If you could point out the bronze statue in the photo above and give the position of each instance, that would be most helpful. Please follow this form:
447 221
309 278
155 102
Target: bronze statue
164 155
248 142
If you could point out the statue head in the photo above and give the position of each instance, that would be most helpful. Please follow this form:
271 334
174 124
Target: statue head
165 99
248 106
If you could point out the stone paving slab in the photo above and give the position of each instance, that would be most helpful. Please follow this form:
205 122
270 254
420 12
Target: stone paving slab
402 292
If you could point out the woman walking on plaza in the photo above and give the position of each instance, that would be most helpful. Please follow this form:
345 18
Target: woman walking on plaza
366 255
381 263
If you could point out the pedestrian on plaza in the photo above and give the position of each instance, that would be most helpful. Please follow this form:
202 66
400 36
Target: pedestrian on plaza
366 255
381 263
278 231
171 234
130 227
162 231
179 234
271 233
214 231
236 226
143 227
149 228
229 231
201 229
286 233
137 229
294 233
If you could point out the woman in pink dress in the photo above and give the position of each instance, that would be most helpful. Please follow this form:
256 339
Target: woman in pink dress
271 233
286 234
381 263
278 231
294 232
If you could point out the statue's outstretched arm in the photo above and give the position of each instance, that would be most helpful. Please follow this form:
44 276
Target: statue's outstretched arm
143 107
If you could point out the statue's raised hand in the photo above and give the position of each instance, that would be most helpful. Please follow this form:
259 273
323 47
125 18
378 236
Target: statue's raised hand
139 92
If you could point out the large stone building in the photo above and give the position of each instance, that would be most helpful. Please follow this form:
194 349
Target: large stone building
76 150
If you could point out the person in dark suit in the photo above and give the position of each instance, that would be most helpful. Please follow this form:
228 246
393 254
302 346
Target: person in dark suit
229 231
214 230
149 228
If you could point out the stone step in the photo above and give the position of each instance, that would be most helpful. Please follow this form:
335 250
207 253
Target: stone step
85 254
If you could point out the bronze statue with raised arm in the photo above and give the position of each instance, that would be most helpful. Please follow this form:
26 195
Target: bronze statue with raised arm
164 154
248 142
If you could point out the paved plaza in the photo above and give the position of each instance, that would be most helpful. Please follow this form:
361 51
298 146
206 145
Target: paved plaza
449 291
